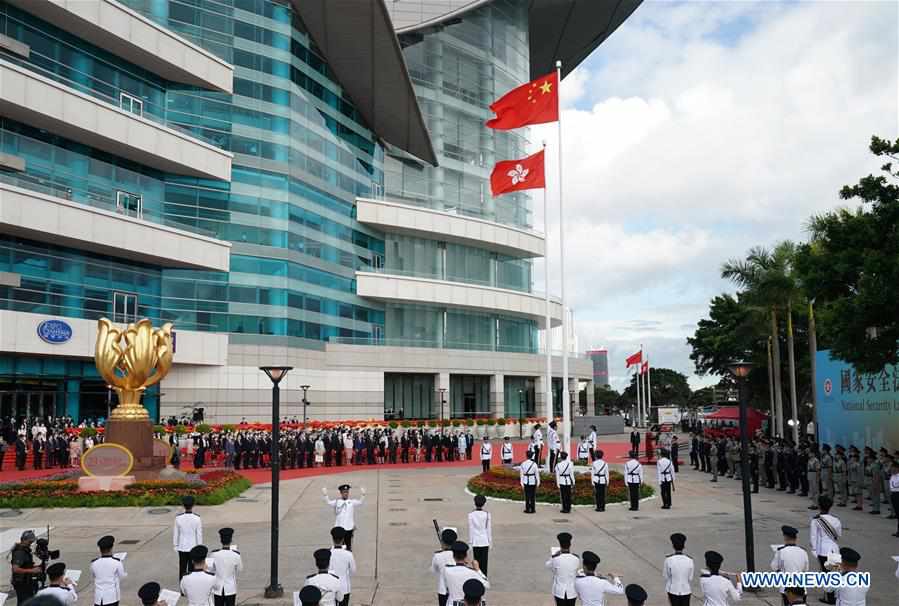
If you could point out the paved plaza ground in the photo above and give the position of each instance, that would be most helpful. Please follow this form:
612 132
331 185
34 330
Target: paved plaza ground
396 539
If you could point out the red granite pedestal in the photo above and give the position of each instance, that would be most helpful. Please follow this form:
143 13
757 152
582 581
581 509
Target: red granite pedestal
137 437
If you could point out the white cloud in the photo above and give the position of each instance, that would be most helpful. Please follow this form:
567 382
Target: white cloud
698 130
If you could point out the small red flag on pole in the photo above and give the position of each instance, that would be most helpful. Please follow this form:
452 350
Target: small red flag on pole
634 359
516 175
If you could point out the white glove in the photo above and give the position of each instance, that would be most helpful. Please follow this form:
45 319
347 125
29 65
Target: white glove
362 490
324 491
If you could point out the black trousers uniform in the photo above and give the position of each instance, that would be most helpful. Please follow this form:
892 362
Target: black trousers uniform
224 600
679 600
599 492
481 555
183 564
666 494
530 498
634 494
565 493
348 539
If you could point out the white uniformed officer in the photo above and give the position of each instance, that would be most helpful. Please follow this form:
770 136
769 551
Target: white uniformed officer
188 533
554 444
325 580
227 565
789 557
310 596
537 441
440 560
461 570
592 443
665 476
506 452
345 511
474 592
565 480
198 586
599 472
850 596
678 572
530 480
60 587
486 454
108 573
564 565
633 477
480 533
592 589
343 564
717 590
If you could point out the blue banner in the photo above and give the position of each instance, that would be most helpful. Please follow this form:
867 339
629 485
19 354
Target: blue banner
856 408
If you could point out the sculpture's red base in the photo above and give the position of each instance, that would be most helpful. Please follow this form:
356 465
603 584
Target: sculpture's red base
136 436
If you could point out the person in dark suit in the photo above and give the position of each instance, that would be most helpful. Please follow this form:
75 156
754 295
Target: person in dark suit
675 446
635 441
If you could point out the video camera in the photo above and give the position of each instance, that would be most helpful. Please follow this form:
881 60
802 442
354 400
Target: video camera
44 554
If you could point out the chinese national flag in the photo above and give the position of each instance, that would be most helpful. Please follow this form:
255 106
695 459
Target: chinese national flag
515 175
634 359
535 102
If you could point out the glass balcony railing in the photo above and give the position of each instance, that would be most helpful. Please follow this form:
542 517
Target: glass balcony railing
450 277
448 344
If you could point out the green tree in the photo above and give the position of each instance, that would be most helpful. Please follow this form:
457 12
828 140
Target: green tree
851 268
667 387
730 330
607 400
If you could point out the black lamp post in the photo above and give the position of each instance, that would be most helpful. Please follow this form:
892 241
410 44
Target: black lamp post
520 412
740 370
442 391
305 389
276 374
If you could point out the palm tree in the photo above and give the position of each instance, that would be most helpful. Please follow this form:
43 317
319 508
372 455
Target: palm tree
768 280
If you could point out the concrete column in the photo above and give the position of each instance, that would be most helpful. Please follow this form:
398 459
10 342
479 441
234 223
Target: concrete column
591 399
442 381
497 396
542 408
435 117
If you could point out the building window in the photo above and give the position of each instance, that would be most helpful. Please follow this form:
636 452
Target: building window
124 307
129 204
131 104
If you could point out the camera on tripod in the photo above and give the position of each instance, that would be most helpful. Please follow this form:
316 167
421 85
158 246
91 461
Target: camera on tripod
44 554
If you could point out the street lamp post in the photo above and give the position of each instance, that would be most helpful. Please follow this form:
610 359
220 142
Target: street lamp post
520 412
740 370
442 391
305 389
276 374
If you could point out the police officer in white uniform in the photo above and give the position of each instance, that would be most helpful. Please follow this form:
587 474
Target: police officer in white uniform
198 586
60 587
537 441
310 596
599 472
789 557
678 572
565 480
480 532
328 582
555 444
486 454
343 564
850 596
440 559
227 565
188 533
717 590
149 594
665 476
592 443
345 511
108 572
564 566
592 589
633 477
824 535
529 474
461 570
506 452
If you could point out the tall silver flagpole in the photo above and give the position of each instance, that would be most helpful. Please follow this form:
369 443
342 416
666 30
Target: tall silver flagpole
548 342
566 408
638 422
643 419
648 389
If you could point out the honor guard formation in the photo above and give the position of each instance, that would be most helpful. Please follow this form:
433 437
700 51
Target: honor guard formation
826 477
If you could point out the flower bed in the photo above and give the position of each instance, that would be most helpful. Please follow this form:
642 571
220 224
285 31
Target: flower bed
503 483
213 488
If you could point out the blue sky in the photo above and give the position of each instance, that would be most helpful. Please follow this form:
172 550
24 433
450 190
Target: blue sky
698 130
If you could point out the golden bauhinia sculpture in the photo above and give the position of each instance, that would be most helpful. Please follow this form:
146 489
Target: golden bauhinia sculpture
126 358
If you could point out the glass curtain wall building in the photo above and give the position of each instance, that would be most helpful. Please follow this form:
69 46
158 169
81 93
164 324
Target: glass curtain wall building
286 187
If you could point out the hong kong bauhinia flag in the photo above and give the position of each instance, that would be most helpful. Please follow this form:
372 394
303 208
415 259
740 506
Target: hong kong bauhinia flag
534 102
634 359
515 175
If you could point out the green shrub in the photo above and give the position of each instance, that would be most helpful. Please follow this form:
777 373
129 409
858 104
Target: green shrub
204 428
159 429
501 421
180 430
393 425
481 422
491 422
87 432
